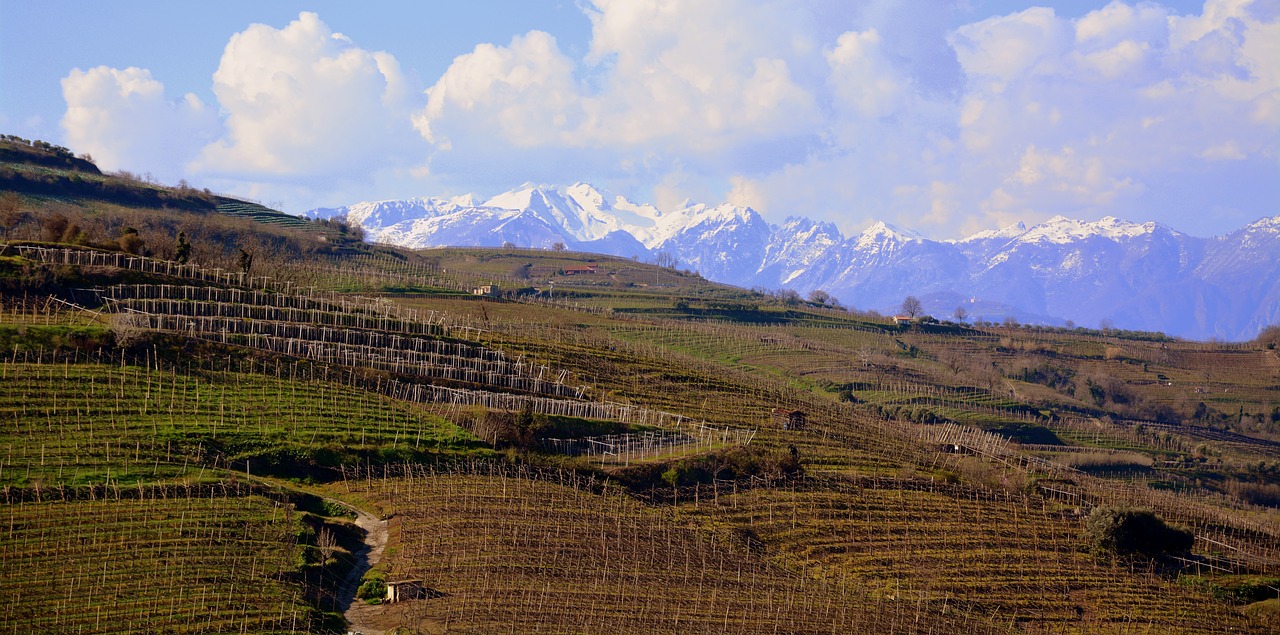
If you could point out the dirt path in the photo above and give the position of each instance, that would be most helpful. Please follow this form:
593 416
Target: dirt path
359 614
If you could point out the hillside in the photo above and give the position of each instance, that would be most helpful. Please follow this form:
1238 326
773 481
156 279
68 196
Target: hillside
561 441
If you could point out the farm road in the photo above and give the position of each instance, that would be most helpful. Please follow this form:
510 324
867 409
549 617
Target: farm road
362 616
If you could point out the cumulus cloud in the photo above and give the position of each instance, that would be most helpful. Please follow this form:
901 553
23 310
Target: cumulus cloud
1106 102
883 110
657 89
305 102
124 120
1087 116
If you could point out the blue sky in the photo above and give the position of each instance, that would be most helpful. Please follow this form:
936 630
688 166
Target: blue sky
945 117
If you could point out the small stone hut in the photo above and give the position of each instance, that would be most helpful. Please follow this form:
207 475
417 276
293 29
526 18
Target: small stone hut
406 590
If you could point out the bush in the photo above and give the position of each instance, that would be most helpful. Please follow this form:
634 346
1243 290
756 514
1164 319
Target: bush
1126 531
373 588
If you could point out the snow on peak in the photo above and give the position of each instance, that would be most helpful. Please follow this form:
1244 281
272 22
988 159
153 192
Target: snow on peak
882 233
1008 233
465 200
1062 230
1269 223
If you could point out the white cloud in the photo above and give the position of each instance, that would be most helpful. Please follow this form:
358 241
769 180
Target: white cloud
657 89
1085 117
123 119
304 102
524 93
843 111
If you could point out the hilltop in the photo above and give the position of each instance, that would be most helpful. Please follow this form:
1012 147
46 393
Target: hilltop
562 441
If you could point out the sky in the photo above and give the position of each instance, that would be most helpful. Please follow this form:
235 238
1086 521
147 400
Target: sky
947 117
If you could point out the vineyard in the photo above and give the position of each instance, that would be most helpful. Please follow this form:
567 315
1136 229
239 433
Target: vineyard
530 552
178 442
153 560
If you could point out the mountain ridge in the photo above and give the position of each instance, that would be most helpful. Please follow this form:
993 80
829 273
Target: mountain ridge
1110 271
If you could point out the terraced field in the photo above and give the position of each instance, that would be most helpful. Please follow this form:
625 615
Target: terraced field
909 517
199 560
1009 557
90 423
549 552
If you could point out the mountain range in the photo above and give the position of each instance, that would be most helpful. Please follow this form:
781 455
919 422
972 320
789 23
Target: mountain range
1109 272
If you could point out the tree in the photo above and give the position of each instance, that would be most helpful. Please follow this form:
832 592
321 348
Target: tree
129 241
789 297
911 306
961 314
666 259
1127 531
327 543
373 587
11 214
1270 336
508 245
182 253
54 226
558 246
245 260
818 296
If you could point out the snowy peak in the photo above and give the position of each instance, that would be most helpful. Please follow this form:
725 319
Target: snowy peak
795 246
1143 276
882 235
703 219
582 211
1008 233
1268 224
1062 230
374 215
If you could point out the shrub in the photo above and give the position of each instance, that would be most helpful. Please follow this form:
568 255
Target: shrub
373 587
130 241
1126 531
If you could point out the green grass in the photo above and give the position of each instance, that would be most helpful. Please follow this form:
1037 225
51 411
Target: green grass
199 564
80 424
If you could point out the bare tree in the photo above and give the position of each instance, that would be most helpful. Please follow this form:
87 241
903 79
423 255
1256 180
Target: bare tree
819 296
1269 336
954 361
11 214
128 328
327 543
961 314
666 259
911 306
558 246
789 297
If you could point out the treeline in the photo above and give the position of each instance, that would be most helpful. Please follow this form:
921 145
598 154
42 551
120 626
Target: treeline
124 189
214 240
15 149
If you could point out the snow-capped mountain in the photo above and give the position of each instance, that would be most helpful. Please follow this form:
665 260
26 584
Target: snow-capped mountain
1137 276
